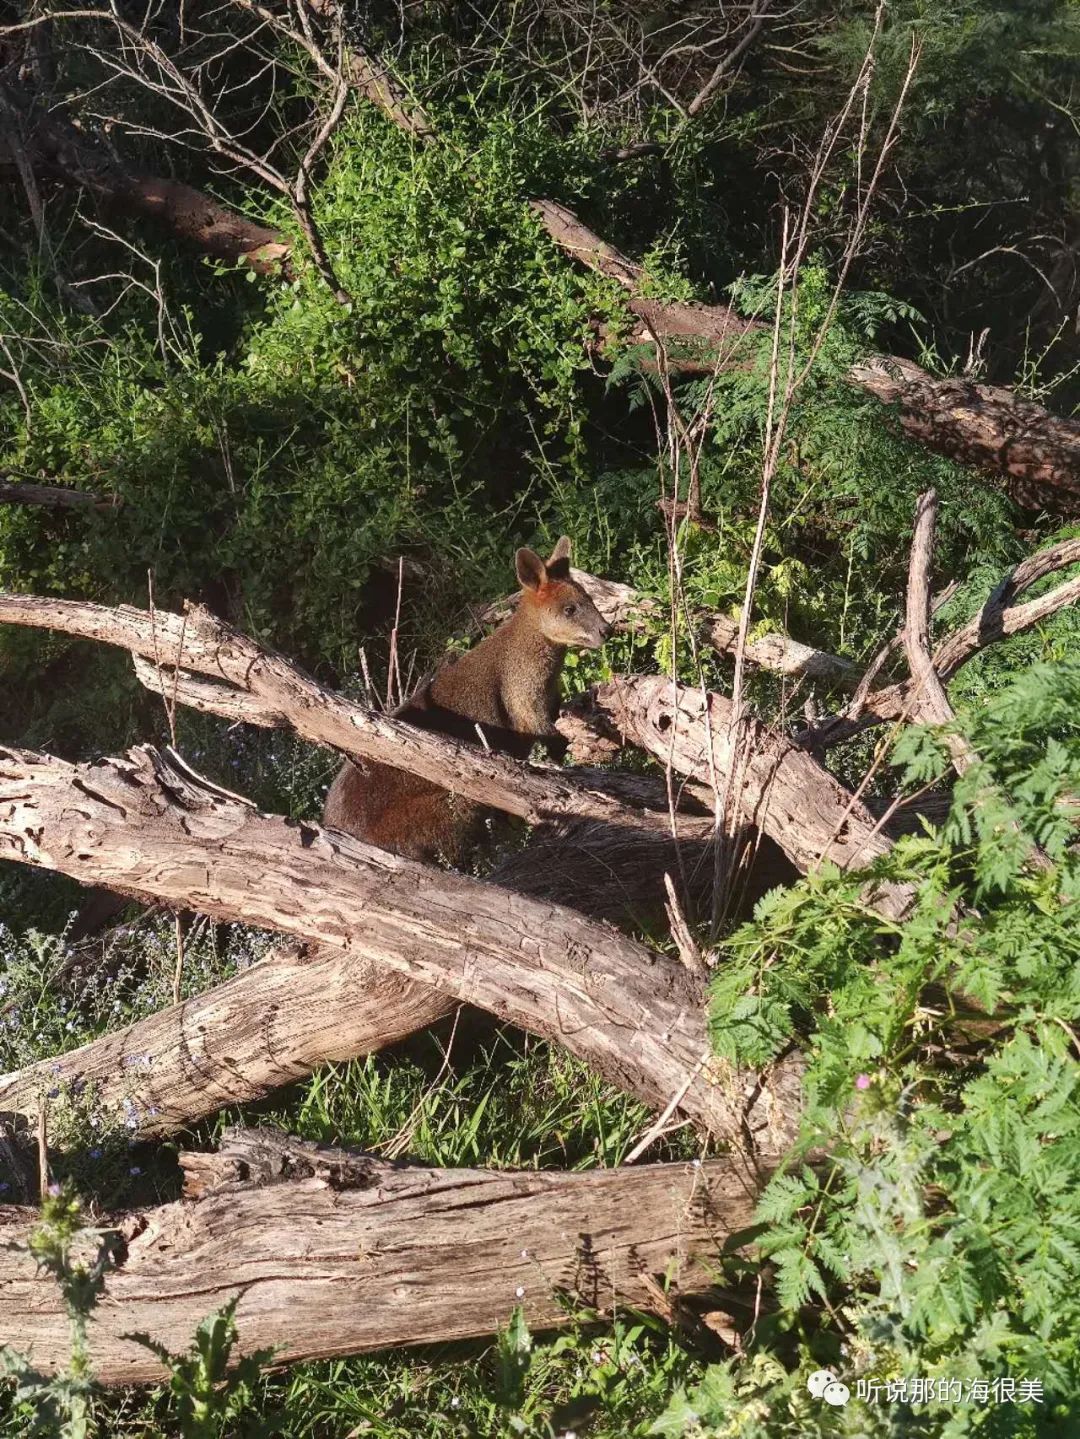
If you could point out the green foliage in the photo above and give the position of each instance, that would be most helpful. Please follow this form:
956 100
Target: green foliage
941 1234
59 1406
273 452
211 1395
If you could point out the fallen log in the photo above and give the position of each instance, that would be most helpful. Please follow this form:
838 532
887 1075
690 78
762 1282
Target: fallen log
332 1252
52 497
151 827
271 1025
988 427
985 426
254 683
802 807
52 146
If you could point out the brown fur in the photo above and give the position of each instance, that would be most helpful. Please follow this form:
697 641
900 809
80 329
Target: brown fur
508 684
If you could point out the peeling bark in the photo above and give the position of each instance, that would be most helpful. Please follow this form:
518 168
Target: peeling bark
280 692
984 426
271 1025
798 804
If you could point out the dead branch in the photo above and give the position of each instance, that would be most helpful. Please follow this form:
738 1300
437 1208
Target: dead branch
150 826
984 426
998 618
52 497
200 642
334 1252
271 1025
808 813
931 704
57 148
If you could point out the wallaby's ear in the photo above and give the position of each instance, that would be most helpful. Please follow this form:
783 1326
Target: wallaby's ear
531 570
558 567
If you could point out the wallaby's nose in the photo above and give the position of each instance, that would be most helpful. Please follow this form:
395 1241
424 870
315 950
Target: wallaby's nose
606 632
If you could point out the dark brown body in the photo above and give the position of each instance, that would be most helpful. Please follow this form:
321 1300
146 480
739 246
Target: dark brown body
508 685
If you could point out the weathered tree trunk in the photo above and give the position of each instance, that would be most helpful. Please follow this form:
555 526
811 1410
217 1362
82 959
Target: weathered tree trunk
332 1252
808 813
268 689
990 428
272 1024
53 146
985 426
153 828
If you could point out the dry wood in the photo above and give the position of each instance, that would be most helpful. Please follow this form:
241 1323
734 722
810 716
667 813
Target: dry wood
999 617
198 641
981 425
57 148
798 804
985 426
51 497
149 826
334 1252
931 703
271 1025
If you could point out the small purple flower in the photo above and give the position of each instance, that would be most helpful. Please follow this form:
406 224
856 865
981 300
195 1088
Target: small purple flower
54 1191
134 1169
862 1081
95 1153
54 1092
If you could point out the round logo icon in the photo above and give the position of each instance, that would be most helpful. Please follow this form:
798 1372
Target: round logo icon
823 1384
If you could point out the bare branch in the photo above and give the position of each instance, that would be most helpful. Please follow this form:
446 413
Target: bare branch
930 702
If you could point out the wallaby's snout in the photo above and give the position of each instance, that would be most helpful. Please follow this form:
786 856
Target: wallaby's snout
565 614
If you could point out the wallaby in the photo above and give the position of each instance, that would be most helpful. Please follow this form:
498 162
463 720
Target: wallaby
508 685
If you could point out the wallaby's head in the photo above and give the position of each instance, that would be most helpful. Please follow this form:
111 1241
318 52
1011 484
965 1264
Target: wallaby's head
560 607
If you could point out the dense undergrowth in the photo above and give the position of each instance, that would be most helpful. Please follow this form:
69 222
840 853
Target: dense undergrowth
274 453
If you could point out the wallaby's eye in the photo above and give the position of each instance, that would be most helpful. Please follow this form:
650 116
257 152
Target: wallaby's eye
569 609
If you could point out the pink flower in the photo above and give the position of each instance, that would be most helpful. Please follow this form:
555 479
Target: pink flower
862 1081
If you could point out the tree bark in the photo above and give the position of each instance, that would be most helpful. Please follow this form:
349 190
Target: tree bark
984 426
271 1025
51 497
53 146
808 813
332 1252
256 684
153 828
